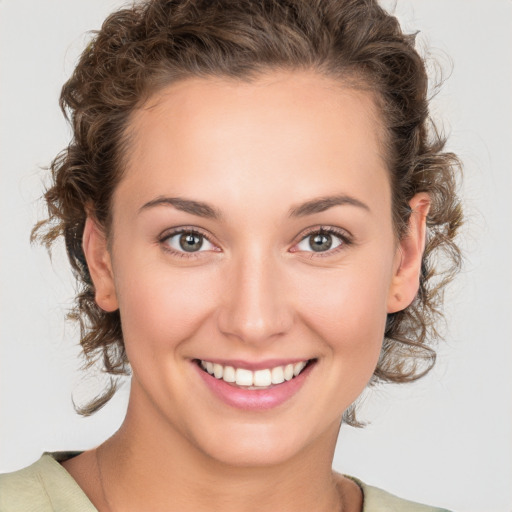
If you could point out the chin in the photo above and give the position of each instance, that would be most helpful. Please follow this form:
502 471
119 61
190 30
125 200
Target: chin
258 455
250 445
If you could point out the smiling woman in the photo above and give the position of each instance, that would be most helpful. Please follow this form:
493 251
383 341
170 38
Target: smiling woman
251 203
259 287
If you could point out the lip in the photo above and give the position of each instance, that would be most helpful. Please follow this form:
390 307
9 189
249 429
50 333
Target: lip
254 399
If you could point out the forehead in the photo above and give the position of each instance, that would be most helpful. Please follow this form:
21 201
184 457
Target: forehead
283 130
273 99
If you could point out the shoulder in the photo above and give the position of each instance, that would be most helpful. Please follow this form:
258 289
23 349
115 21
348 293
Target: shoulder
43 486
25 489
378 500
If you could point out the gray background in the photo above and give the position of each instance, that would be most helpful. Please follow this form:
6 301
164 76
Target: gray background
446 439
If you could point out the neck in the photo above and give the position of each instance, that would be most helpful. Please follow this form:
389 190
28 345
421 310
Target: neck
147 461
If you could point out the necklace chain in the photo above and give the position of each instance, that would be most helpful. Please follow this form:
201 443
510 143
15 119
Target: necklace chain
100 477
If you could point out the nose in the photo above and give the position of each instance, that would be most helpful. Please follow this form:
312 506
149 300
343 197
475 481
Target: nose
254 303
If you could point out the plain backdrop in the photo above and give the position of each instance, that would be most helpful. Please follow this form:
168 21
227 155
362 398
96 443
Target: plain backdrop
445 440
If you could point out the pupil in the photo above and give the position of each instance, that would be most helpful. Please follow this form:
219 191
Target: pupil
190 242
320 242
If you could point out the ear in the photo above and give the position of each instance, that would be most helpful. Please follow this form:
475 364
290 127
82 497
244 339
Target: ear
409 255
94 244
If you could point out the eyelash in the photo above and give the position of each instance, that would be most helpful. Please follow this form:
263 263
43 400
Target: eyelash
344 236
346 240
179 231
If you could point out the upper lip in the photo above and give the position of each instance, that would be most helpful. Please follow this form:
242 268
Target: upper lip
254 365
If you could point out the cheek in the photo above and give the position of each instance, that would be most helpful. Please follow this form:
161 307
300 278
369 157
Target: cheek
347 308
345 311
162 307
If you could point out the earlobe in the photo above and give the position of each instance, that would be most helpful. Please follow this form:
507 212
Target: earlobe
409 256
94 244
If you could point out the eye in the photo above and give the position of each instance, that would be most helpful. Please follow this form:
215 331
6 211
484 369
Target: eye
322 240
187 241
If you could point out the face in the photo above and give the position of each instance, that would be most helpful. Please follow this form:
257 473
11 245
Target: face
251 231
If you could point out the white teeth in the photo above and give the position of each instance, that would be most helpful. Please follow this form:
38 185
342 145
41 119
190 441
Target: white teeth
218 370
298 367
229 374
277 375
262 378
243 377
258 379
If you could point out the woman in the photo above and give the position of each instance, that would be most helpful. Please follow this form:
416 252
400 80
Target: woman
250 203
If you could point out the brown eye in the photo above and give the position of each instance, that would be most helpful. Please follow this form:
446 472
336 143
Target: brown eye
321 241
191 242
188 242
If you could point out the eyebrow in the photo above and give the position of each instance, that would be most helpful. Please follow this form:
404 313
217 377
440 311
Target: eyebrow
321 204
202 209
198 208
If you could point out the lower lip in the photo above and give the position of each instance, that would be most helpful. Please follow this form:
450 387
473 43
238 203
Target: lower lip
254 399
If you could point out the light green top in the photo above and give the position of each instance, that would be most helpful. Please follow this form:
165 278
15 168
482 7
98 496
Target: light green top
46 486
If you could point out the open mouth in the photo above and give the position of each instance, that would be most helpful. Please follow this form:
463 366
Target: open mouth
258 379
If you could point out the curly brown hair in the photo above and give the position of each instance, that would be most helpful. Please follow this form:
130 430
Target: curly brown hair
152 44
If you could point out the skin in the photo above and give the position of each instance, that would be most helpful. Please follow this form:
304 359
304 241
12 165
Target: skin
255 291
